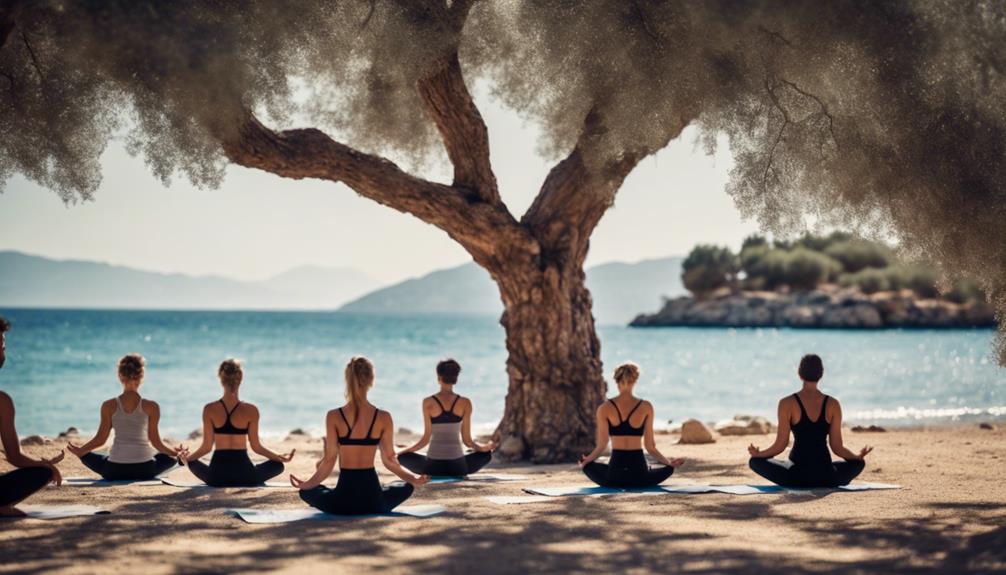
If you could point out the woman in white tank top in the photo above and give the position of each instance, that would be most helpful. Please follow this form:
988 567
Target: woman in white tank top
448 421
134 421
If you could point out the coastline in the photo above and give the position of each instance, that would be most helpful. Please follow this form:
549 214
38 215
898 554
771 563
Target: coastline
949 517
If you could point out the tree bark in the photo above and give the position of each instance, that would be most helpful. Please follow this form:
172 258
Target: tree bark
554 362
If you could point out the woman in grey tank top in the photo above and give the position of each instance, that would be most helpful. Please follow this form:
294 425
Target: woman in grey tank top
447 424
134 421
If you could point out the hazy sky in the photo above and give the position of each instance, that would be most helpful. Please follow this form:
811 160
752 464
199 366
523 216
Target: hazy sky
257 224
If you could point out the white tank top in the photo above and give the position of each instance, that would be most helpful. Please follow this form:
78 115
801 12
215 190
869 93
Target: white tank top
131 443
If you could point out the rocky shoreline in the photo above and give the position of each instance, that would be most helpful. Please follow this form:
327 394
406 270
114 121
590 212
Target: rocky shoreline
826 307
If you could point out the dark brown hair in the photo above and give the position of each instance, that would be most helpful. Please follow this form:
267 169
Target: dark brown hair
811 367
4 325
131 366
448 371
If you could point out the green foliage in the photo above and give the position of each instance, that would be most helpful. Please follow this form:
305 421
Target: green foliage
855 255
707 268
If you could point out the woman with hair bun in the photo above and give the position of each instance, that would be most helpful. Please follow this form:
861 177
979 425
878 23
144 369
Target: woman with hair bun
137 451
448 423
627 465
354 434
230 426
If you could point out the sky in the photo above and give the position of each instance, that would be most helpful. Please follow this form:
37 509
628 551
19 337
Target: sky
257 225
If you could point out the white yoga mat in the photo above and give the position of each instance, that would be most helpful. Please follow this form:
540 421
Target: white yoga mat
480 477
195 483
308 513
61 511
587 490
518 499
868 486
98 482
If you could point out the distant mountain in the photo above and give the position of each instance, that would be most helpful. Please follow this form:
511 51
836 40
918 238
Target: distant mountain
620 291
34 281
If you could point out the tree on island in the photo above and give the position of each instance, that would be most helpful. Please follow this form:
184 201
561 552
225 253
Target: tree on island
885 115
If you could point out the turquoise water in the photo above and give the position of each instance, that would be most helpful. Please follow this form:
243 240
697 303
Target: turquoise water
61 365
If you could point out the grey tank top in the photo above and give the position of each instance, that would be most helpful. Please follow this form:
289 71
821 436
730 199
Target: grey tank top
445 441
131 444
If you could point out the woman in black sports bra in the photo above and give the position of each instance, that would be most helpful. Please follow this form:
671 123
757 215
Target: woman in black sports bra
231 426
354 433
627 465
810 463
448 423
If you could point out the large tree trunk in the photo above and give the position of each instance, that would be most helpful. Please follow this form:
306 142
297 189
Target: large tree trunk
554 362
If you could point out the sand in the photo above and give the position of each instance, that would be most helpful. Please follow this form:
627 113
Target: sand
950 517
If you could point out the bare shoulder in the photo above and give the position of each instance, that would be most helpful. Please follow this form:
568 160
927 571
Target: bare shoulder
646 406
6 403
150 406
604 409
465 403
108 406
249 408
384 420
833 404
787 401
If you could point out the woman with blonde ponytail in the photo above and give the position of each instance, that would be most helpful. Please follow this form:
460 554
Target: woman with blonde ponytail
627 465
232 425
353 443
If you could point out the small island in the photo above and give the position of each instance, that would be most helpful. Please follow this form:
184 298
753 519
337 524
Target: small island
833 281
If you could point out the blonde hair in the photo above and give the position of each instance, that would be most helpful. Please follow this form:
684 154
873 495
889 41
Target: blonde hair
231 373
359 378
131 367
628 372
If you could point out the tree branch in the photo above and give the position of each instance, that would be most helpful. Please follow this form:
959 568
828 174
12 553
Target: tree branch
461 126
309 153
580 189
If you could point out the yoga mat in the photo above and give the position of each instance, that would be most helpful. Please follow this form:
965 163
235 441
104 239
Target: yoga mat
195 483
761 489
483 477
592 490
308 513
518 499
60 511
92 482
868 486
731 489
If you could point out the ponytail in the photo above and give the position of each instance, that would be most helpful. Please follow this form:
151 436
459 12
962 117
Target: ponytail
359 378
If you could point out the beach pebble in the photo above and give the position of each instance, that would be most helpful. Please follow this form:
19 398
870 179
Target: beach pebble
988 426
870 429
34 440
694 431
404 431
298 431
747 426
196 434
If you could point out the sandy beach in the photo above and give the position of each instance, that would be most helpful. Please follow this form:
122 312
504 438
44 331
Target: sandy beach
949 517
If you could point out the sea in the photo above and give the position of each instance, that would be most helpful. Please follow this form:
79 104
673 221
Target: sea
61 364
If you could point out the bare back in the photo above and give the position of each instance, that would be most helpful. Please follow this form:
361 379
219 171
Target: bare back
632 410
242 417
369 423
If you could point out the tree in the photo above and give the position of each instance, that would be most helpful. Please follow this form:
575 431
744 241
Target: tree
707 268
888 116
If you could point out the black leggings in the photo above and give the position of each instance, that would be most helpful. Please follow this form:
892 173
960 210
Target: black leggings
358 492
459 467
233 468
626 469
20 483
112 471
788 475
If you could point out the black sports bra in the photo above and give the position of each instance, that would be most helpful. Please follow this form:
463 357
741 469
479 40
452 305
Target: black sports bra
446 415
365 440
228 428
623 428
